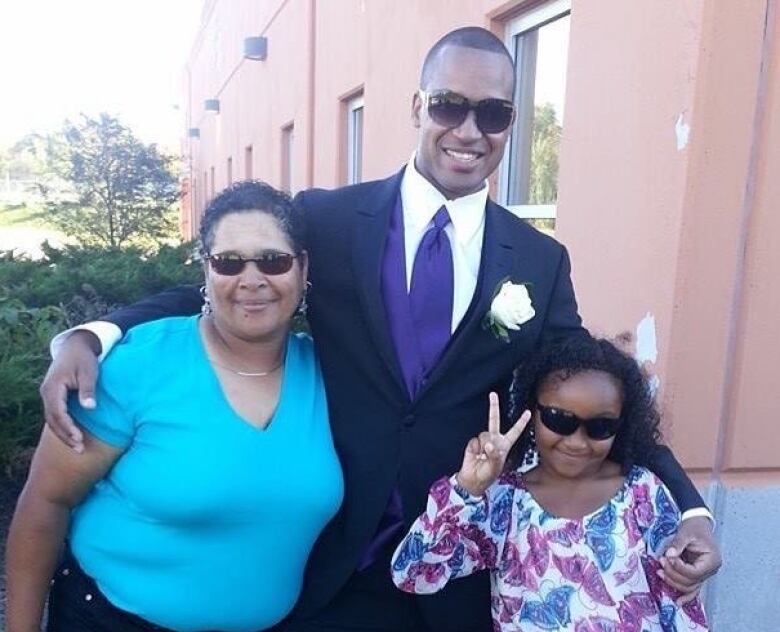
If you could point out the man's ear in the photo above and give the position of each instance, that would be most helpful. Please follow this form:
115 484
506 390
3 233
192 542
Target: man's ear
416 109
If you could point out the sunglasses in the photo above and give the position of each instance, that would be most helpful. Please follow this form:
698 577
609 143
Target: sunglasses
270 263
450 109
564 423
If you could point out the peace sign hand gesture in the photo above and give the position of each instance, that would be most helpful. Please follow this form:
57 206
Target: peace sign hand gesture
486 454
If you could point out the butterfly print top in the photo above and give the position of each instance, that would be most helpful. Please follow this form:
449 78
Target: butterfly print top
593 574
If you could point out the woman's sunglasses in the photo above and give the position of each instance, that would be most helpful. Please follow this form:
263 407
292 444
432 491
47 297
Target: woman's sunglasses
270 263
450 109
564 423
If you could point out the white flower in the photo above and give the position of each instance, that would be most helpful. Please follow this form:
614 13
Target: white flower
512 306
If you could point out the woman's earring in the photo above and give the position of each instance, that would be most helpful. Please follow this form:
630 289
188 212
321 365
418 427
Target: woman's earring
205 309
303 306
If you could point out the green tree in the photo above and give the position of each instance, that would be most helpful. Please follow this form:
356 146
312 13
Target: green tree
120 190
545 143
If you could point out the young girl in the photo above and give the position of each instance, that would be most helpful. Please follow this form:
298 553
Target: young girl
574 542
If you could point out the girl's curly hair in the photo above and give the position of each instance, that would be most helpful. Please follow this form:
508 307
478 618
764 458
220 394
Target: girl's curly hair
638 435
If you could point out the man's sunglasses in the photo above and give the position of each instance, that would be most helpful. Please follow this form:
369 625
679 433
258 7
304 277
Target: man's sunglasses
450 109
565 423
270 263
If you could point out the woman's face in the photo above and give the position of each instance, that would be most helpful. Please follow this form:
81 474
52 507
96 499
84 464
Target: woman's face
587 395
252 305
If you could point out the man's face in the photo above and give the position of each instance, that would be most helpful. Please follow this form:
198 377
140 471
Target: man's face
457 160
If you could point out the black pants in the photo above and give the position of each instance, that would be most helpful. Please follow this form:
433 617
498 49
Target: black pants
77 605
370 602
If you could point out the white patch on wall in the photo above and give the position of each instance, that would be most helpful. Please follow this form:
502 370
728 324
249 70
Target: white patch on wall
646 341
682 131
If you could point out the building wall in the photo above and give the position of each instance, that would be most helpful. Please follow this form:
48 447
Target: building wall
668 191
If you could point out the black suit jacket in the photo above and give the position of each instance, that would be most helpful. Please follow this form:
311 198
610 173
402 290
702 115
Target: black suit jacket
383 438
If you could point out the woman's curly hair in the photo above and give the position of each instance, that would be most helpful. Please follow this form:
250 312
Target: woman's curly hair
248 196
638 434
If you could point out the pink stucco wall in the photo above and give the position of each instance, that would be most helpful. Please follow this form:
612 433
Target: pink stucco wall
680 231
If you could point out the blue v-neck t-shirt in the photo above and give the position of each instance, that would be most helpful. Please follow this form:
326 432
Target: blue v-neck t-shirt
204 522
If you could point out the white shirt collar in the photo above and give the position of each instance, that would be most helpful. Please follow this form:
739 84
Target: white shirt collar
421 200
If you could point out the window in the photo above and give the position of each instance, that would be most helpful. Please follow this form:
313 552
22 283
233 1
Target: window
248 162
288 138
230 171
539 43
355 140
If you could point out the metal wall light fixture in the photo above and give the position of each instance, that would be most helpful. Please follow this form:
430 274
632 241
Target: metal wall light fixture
256 48
211 105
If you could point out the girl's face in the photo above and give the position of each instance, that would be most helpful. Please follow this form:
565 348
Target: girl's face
586 395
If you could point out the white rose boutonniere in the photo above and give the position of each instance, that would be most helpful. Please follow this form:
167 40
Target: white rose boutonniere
511 307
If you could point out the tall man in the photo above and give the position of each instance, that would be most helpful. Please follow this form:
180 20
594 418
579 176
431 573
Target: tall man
403 273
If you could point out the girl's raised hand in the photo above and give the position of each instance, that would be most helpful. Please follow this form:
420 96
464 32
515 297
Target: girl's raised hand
486 454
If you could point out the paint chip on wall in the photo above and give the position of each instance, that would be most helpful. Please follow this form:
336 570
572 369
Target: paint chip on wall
683 131
646 341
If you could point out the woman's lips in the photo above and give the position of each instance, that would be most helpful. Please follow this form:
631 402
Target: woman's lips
253 306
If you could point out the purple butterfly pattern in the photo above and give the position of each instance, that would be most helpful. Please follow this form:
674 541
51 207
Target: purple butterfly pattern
596 574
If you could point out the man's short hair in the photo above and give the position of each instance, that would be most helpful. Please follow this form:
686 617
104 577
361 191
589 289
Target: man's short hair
465 37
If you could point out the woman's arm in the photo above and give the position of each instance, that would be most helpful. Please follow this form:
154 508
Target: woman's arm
75 367
59 480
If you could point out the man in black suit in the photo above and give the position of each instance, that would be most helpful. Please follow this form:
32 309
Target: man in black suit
407 373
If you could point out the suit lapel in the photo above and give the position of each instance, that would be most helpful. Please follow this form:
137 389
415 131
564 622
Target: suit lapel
498 255
372 220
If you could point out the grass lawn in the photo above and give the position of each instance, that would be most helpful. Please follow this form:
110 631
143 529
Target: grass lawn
23 228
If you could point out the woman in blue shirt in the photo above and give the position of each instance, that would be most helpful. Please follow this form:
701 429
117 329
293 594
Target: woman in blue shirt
209 468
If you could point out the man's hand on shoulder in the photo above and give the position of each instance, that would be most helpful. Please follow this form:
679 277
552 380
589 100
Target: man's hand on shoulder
74 368
692 557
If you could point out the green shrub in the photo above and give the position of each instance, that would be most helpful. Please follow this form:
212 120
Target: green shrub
109 277
40 298
24 339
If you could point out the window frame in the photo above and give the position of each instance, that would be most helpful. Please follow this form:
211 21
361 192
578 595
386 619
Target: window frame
529 21
354 152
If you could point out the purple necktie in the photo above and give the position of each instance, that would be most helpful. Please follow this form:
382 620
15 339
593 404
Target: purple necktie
420 322
431 290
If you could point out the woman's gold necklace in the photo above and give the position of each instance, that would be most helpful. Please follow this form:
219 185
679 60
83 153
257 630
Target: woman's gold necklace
248 373
237 372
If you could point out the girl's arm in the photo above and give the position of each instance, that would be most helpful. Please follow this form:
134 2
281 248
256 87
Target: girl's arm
59 480
658 519
458 534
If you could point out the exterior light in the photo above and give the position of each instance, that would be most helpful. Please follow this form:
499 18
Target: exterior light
194 132
211 105
256 48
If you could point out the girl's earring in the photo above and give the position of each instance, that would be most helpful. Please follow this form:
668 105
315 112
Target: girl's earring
531 454
303 306
205 309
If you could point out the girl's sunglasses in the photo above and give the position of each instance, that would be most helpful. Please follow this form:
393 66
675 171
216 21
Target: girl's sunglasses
270 263
450 109
564 423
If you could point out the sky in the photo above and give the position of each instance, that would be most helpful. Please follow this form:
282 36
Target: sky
59 58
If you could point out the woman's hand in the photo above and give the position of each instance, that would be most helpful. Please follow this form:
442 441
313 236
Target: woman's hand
486 454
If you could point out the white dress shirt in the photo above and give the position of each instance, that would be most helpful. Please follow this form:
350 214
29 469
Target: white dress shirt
420 201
